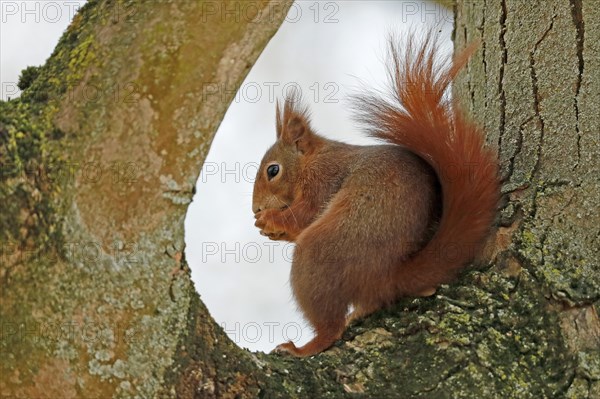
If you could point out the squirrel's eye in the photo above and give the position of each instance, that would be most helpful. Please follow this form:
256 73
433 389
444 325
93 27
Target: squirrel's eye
272 171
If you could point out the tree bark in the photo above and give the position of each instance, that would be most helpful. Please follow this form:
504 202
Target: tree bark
99 160
534 86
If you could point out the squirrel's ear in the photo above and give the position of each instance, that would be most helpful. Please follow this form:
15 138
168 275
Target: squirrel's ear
295 129
298 132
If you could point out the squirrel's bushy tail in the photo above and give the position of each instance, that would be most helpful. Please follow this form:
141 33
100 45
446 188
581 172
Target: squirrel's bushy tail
421 117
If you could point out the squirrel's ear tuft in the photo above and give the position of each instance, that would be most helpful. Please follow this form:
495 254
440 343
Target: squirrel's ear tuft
293 125
278 120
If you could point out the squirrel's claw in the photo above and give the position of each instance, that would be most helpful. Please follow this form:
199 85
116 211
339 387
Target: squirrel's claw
275 235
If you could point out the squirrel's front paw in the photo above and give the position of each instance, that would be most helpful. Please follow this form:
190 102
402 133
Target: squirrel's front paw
265 221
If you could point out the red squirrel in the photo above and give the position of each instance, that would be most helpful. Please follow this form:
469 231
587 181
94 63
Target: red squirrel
375 223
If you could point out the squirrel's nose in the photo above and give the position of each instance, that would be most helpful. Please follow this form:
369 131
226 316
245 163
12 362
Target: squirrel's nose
256 209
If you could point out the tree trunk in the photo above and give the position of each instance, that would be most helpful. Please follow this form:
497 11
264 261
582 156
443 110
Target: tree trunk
535 87
96 296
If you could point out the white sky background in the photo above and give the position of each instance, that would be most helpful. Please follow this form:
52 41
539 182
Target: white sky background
327 48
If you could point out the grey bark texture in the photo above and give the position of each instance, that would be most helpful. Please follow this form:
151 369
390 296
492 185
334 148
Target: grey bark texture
535 87
99 160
